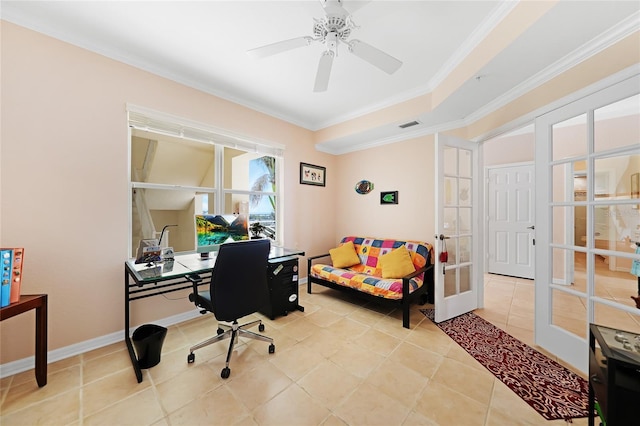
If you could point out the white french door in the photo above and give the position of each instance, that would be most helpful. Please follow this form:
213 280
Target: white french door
510 227
587 154
458 280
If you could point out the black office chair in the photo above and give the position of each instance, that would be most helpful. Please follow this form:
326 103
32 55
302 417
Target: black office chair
238 288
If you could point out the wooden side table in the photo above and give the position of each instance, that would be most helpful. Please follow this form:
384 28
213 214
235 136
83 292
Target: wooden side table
39 303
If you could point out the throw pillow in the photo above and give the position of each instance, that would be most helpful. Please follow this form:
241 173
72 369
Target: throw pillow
344 256
397 263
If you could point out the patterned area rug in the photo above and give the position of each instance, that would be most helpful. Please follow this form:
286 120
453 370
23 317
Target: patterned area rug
551 389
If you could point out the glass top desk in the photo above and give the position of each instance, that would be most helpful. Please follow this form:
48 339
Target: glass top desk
144 280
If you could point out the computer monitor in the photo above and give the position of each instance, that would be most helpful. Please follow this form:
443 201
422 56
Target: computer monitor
213 230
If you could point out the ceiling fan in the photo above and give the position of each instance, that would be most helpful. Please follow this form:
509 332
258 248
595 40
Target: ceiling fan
331 30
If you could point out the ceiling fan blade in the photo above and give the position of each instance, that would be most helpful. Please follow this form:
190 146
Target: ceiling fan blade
280 46
324 71
374 56
352 6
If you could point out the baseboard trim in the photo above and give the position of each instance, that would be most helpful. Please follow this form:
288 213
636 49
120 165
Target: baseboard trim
25 364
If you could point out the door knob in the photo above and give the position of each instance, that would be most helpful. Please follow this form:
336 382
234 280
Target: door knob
531 227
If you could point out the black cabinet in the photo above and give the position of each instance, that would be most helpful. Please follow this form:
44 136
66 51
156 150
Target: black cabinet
614 375
282 278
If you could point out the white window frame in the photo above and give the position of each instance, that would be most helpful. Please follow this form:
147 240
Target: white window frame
165 124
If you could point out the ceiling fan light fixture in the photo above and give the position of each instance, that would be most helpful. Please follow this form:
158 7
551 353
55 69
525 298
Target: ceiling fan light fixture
332 29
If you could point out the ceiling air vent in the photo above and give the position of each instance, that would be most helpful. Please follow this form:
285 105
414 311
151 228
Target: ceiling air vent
409 124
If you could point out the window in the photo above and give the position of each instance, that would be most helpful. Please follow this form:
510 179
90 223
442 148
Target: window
178 169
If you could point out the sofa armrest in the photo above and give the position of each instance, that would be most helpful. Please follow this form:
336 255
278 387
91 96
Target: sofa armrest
310 260
405 280
417 272
317 257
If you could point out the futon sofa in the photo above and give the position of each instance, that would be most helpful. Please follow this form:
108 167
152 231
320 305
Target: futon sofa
373 274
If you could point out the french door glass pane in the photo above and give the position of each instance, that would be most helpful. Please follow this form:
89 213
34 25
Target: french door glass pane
613 280
562 180
580 270
614 176
561 227
452 249
450 219
614 226
569 138
569 312
614 318
464 249
450 282
464 195
617 125
465 278
450 191
465 166
562 261
464 226
450 158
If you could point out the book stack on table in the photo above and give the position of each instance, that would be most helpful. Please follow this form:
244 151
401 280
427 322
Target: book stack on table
12 259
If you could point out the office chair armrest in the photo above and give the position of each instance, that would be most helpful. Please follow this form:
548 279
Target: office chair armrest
195 281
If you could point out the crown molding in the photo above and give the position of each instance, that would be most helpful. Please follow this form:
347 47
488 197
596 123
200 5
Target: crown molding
586 51
474 39
412 134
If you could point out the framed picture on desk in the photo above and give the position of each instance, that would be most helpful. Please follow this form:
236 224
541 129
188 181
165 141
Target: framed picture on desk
148 251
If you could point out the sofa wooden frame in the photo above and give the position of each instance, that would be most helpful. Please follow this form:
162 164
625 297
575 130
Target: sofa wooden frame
423 294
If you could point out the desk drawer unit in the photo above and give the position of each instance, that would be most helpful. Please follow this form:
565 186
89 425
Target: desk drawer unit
282 278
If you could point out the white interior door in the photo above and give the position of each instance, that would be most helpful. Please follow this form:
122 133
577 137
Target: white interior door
575 145
457 281
510 227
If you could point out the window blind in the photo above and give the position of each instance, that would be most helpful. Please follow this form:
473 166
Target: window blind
165 124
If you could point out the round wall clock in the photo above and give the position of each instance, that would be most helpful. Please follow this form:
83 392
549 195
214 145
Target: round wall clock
364 187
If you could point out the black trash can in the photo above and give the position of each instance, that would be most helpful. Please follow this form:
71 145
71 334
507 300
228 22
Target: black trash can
148 339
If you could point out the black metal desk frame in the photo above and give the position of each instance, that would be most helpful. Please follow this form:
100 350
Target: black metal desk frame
143 287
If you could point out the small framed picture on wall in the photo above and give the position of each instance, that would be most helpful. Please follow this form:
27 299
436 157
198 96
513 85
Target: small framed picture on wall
312 175
389 197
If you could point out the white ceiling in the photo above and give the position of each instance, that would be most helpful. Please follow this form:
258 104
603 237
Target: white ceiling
203 44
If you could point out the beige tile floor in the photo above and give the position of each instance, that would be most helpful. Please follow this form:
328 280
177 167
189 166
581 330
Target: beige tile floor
341 362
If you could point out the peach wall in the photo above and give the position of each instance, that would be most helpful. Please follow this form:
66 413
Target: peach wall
406 167
509 149
398 113
63 176
64 181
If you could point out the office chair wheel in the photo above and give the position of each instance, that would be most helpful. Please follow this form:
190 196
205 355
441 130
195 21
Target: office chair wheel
225 373
272 348
191 358
220 331
261 328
